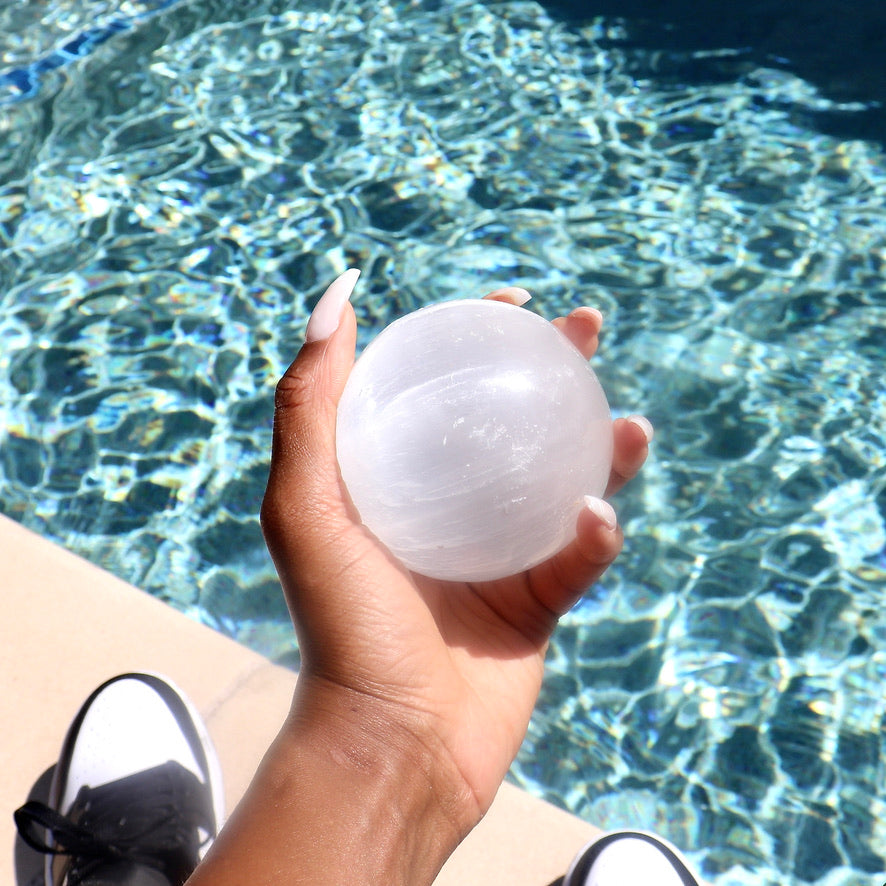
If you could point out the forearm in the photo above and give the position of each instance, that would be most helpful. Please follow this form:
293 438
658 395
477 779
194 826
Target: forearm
340 798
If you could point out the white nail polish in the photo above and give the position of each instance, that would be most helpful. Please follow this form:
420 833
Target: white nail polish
587 310
510 295
327 313
601 509
644 424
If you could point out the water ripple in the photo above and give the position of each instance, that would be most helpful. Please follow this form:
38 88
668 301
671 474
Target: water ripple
173 199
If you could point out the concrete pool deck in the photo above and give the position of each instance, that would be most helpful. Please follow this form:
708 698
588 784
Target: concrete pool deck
66 626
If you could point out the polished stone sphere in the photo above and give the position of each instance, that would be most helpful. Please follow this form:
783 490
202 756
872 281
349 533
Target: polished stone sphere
468 434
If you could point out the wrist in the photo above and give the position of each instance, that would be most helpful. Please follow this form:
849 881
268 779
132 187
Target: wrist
399 800
350 792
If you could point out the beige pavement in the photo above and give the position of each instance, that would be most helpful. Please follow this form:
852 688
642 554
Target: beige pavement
65 626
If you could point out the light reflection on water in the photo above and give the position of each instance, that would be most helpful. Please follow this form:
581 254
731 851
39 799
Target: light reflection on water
173 202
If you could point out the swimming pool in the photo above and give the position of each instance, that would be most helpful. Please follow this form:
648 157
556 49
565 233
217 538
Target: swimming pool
180 181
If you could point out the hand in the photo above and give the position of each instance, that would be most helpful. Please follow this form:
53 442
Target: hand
443 674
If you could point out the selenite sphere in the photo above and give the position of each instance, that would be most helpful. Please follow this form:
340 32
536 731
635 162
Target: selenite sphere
468 434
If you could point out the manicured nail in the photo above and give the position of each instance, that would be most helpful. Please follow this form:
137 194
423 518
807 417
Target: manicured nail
603 510
585 311
644 424
520 295
511 295
327 313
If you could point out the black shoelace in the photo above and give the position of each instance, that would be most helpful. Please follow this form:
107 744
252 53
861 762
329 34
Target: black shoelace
153 818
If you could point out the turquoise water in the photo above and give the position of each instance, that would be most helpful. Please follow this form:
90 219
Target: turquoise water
178 182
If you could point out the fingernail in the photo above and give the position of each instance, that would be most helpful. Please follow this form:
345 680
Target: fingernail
586 310
603 510
326 315
511 295
644 424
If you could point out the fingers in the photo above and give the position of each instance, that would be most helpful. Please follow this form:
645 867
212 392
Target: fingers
631 439
559 582
582 327
632 435
512 295
304 487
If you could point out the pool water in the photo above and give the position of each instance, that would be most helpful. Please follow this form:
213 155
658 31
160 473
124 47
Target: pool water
179 181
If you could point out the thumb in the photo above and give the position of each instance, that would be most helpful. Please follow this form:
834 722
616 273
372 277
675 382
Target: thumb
304 486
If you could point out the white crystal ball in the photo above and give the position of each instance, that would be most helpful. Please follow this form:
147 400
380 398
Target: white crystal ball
468 434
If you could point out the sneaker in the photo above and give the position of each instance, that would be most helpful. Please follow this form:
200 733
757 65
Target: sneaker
629 858
136 797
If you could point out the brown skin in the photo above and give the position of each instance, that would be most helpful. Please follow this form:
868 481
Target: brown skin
414 694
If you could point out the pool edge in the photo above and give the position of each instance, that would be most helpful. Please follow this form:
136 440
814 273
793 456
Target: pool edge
67 625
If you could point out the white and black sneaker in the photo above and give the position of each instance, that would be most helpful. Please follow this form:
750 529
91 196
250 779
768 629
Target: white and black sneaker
629 858
136 797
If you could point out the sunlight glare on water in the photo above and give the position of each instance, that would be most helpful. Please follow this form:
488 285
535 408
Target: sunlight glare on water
178 184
